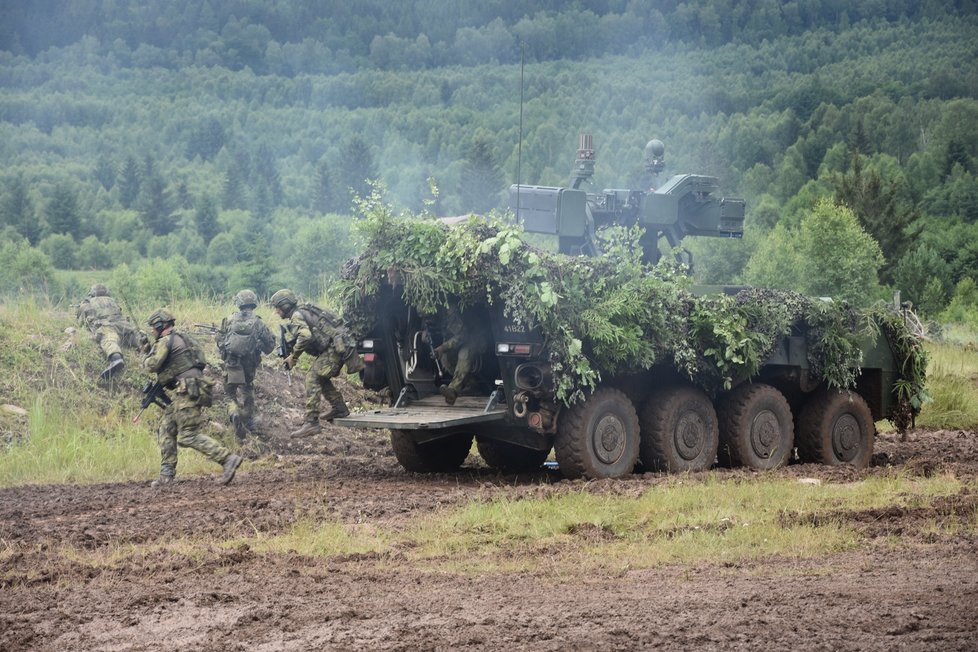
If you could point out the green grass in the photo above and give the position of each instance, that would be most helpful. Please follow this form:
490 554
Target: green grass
65 447
952 383
76 430
717 521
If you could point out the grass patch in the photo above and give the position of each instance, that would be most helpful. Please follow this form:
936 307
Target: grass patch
716 522
86 447
713 522
952 383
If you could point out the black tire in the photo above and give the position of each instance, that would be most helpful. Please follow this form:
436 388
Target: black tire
508 457
836 427
599 437
438 456
756 428
680 431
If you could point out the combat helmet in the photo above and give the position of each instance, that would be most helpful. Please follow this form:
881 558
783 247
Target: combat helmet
246 299
284 299
99 290
159 319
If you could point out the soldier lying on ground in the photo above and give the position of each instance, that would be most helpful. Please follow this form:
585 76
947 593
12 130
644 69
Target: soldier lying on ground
101 315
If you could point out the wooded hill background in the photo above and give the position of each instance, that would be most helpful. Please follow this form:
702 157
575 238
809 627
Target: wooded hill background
194 147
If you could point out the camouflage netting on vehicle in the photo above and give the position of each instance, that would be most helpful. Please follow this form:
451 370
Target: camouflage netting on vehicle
611 312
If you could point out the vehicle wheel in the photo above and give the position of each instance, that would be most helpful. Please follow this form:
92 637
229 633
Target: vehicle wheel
440 455
756 428
508 457
599 437
679 430
836 427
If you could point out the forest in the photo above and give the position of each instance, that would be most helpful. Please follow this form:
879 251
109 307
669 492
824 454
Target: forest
195 147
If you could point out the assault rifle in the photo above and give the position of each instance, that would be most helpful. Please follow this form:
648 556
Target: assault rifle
284 348
153 394
206 328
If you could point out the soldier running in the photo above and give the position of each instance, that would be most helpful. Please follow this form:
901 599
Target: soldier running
323 336
241 340
178 362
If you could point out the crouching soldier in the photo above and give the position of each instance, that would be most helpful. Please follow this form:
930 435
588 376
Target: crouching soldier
323 336
178 362
242 339
101 315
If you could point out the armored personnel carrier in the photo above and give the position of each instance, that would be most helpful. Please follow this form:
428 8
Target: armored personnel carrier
671 378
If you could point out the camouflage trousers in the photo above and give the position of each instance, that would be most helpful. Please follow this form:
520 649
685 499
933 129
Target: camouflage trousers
461 364
241 395
319 383
319 380
111 338
180 426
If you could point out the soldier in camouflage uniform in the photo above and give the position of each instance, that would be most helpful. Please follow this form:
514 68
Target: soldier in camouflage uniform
241 340
178 362
460 352
320 334
101 315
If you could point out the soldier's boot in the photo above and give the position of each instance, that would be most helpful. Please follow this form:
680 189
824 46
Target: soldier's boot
167 477
308 429
116 364
231 464
337 412
449 394
239 426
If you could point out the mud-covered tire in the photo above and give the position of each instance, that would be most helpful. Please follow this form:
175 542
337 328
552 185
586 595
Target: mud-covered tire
438 456
680 431
836 427
510 458
756 428
598 437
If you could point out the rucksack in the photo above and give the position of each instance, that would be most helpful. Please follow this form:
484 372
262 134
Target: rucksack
325 327
241 338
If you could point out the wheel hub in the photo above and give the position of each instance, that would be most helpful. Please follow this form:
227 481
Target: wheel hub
845 438
689 436
609 439
765 434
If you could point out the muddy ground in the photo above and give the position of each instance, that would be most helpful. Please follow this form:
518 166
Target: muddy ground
904 588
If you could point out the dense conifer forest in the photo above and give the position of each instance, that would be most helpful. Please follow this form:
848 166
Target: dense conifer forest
194 147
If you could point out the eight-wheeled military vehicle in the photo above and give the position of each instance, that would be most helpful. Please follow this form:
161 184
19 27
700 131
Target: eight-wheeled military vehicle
655 416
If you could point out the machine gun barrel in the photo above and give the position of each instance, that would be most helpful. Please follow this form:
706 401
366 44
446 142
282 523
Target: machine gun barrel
206 328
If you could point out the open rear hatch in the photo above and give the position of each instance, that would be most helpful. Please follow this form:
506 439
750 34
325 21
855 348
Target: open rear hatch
429 413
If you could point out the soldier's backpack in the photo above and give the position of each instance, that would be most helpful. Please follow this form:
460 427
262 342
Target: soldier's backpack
241 338
326 327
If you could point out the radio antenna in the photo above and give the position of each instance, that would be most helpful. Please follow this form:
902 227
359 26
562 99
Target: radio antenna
519 150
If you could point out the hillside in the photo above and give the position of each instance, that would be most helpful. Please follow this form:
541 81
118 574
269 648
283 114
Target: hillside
154 146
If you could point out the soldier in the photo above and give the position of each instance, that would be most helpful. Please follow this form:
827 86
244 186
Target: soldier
322 335
101 314
178 362
460 352
242 339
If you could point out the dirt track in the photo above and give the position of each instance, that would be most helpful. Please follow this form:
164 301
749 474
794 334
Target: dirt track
905 588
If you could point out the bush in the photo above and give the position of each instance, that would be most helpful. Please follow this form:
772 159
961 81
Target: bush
25 270
93 254
963 308
61 249
154 281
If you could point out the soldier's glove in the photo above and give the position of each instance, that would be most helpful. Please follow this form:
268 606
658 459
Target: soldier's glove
439 349
290 362
144 344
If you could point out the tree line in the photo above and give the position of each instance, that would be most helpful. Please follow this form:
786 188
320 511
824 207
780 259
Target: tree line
239 177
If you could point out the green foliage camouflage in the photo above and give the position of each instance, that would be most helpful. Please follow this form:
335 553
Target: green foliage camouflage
611 314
